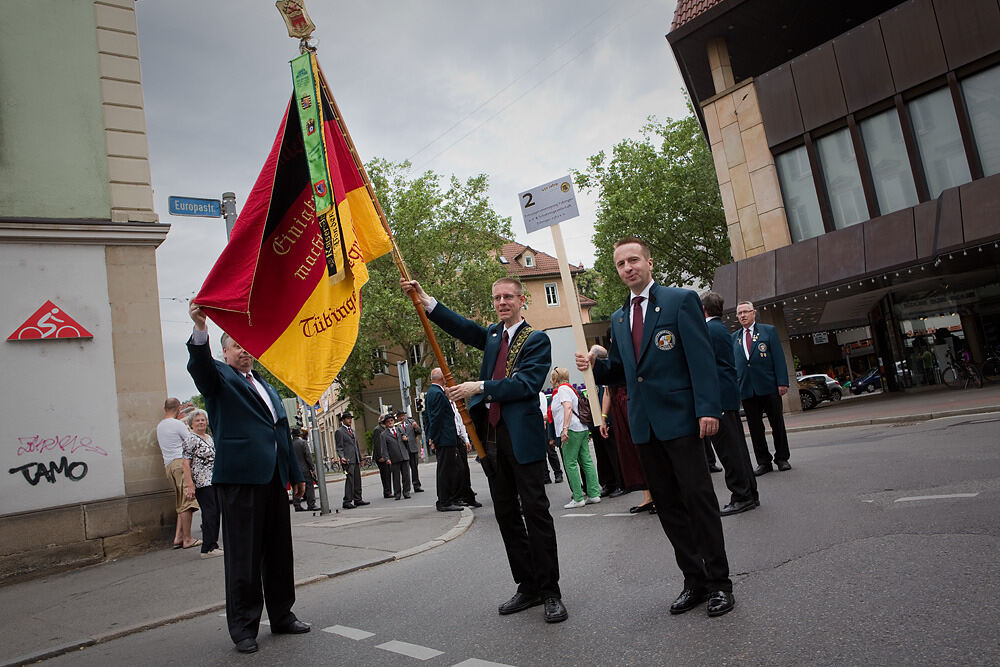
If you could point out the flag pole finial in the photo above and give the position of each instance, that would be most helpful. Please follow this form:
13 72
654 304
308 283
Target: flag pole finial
297 20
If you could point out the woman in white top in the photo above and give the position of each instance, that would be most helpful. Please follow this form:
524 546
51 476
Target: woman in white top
575 439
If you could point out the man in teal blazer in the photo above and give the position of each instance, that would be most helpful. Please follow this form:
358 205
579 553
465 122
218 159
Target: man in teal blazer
661 350
504 406
763 379
254 464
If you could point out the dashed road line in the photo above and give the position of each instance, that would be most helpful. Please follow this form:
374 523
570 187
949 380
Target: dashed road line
621 514
476 662
410 650
350 633
581 514
942 496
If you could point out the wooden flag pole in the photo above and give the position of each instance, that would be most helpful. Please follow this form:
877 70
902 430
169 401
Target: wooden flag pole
404 272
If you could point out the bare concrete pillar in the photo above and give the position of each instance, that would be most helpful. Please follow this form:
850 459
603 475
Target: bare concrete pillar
718 62
775 316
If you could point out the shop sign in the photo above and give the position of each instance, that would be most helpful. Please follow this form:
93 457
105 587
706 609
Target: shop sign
821 338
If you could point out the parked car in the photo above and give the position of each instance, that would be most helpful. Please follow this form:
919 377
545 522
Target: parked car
814 389
868 382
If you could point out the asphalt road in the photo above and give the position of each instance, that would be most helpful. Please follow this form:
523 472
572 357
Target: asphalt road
879 547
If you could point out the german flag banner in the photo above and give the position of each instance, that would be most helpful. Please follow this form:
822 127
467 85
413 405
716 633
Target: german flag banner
287 287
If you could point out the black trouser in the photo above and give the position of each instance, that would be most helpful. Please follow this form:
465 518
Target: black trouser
527 529
258 534
208 500
731 445
414 475
688 510
448 474
400 473
609 472
310 494
352 484
385 472
755 408
465 492
552 453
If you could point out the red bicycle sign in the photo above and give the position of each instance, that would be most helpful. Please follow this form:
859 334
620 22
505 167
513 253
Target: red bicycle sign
49 322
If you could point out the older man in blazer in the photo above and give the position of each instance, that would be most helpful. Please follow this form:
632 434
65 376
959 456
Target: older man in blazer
254 463
411 438
763 379
443 434
503 404
661 350
350 459
398 456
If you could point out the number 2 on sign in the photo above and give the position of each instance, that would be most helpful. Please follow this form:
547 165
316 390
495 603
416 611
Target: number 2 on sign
527 195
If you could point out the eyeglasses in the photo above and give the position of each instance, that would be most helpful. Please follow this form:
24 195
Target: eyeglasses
497 298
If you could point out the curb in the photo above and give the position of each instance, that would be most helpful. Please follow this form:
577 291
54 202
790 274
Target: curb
463 525
897 419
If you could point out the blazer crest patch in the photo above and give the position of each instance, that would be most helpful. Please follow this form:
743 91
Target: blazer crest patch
665 340
762 347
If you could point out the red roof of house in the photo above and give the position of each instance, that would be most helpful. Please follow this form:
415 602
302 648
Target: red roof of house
545 264
689 9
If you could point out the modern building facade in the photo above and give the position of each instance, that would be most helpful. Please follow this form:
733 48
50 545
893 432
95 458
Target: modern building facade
82 477
857 148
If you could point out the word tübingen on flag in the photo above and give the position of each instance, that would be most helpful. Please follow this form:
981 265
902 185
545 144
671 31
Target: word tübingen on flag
287 286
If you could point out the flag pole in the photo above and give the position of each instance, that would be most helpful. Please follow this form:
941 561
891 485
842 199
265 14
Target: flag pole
404 272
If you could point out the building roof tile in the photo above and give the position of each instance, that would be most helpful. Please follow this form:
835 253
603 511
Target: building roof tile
689 9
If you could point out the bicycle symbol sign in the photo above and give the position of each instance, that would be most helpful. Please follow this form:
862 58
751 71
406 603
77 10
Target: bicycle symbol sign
49 323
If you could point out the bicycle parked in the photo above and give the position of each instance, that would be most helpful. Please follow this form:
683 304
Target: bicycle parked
990 368
960 373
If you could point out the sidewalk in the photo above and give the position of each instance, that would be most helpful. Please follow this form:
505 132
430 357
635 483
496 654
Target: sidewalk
63 612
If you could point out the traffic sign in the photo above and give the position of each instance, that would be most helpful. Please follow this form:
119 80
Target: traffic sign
49 323
199 208
548 204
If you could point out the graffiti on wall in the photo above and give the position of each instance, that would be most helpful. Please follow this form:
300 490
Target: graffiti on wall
39 448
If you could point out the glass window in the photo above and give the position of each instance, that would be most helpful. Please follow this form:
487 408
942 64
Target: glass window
889 163
982 97
799 193
529 260
380 361
551 294
416 354
939 141
843 180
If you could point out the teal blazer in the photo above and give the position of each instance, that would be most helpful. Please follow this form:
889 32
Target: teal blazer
722 339
765 370
245 434
675 382
518 394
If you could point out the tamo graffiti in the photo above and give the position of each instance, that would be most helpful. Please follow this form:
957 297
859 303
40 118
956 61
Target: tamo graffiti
36 444
74 471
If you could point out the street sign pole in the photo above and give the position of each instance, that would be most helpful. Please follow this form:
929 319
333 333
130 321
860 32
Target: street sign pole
317 453
229 211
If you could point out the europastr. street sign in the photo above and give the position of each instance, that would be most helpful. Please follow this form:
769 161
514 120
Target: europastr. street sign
199 208
548 204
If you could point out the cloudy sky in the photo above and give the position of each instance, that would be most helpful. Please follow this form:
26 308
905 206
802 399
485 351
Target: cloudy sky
520 90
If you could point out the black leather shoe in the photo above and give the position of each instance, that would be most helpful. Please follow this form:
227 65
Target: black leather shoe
397 497
635 509
783 465
736 507
548 480
558 477
474 503
349 506
299 509
519 602
359 503
387 495
715 467
407 496
762 469
616 493
688 600
449 508
555 611
296 627
248 645
418 490
720 602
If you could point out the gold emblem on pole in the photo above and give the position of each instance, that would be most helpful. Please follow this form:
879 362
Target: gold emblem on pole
296 18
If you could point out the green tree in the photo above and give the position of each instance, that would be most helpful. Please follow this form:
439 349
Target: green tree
663 189
279 386
197 401
450 239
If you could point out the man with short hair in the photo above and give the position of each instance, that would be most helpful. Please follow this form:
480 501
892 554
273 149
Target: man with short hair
503 404
663 354
730 443
304 457
410 431
763 378
443 436
396 453
254 464
171 434
350 459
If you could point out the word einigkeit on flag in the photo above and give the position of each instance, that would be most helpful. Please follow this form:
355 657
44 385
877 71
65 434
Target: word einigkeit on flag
287 287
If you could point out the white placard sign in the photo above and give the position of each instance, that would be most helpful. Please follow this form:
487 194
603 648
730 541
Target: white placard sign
821 338
548 204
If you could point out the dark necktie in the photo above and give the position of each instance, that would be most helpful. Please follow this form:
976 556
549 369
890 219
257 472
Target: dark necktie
636 325
351 431
249 378
748 342
499 373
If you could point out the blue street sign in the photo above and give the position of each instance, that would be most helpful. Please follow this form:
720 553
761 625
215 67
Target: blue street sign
201 208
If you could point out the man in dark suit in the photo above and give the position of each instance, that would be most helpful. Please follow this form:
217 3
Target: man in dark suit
253 465
382 459
504 407
729 442
763 378
304 458
443 435
398 456
410 434
350 459
663 354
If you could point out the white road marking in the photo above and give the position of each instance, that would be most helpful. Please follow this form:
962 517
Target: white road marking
410 650
476 662
581 514
942 496
350 633
621 514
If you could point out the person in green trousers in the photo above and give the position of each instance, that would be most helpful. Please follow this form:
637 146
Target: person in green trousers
575 438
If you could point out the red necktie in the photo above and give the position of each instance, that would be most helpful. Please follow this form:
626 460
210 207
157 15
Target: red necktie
749 343
250 380
636 325
499 373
